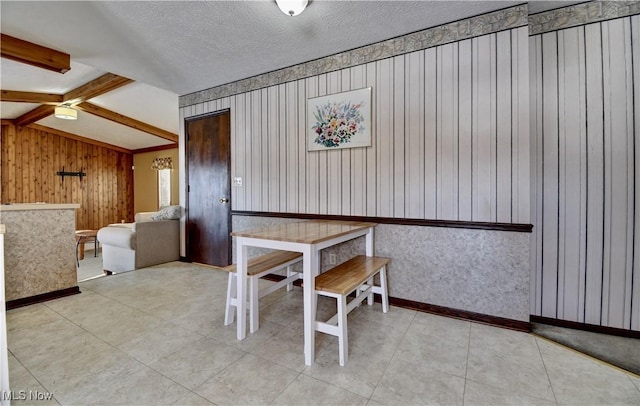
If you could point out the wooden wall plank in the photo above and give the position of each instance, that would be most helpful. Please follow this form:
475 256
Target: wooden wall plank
302 162
535 60
504 128
261 111
384 138
446 132
283 148
483 123
238 162
358 190
312 173
493 132
9 159
619 128
570 138
273 145
581 274
372 156
42 155
550 175
522 161
333 172
635 294
595 174
414 147
430 133
346 157
397 156
465 172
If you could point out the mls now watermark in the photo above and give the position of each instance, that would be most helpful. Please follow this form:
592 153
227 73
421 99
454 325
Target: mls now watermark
25 395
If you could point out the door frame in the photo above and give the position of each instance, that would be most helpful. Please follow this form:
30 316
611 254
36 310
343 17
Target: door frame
186 177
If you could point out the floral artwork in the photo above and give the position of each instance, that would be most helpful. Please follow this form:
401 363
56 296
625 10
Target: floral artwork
340 120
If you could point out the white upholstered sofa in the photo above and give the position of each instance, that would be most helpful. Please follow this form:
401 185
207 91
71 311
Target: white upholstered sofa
153 239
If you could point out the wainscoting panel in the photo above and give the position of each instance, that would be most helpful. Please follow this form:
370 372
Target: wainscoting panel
480 271
585 116
450 138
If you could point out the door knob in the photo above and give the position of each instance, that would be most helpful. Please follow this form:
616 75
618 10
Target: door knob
224 200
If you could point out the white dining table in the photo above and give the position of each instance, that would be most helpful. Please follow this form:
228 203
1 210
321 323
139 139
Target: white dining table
309 238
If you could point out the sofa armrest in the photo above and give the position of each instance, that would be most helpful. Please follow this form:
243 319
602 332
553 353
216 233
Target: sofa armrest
157 242
122 237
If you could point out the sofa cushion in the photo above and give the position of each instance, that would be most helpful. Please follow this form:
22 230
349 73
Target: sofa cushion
167 213
144 216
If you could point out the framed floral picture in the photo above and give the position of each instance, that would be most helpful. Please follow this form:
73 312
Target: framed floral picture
341 120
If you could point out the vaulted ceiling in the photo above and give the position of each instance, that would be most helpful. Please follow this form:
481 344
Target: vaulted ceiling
130 60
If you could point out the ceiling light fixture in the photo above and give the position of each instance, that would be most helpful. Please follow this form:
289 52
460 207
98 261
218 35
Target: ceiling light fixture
292 7
66 112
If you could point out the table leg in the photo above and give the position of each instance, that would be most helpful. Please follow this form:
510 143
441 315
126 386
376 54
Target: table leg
81 248
369 242
311 268
241 289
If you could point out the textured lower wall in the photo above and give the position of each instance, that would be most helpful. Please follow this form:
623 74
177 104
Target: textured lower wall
480 271
39 252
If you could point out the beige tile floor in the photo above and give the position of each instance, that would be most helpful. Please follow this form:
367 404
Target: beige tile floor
156 336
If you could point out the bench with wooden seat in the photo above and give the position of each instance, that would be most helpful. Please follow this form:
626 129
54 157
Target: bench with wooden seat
257 267
355 275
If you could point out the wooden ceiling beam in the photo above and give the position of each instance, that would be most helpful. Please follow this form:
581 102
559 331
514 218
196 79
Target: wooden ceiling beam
34 115
127 121
79 138
33 54
30 97
156 148
95 88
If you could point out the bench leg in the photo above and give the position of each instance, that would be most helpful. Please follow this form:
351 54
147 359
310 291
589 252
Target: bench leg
254 313
383 287
343 337
231 296
289 274
370 297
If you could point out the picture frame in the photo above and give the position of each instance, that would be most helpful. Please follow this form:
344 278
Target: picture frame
339 120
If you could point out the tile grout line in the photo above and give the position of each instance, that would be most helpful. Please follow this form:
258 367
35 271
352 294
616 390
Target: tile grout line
34 377
466 366
393 355
555 398
115 346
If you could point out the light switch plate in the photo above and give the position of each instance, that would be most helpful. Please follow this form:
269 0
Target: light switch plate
237 181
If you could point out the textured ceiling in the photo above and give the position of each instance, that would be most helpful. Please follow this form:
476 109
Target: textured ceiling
187 46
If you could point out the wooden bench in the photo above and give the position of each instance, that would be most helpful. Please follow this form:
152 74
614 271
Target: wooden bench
256 268
355 275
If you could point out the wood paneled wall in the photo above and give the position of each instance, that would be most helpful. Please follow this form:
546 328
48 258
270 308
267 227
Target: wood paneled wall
31 158
585 88
450 138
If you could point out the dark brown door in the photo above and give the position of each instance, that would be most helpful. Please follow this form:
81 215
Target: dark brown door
209 189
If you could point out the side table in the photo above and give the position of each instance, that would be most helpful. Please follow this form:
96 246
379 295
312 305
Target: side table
83 236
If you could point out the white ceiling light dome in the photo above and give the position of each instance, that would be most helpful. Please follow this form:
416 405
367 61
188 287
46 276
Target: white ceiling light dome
66 112
292 7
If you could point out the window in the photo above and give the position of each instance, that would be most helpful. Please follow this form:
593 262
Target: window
164 187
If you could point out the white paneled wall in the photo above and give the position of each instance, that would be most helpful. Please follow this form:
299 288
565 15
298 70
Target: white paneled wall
450 128
585 88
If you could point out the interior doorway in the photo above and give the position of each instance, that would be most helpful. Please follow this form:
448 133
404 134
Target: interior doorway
208 203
